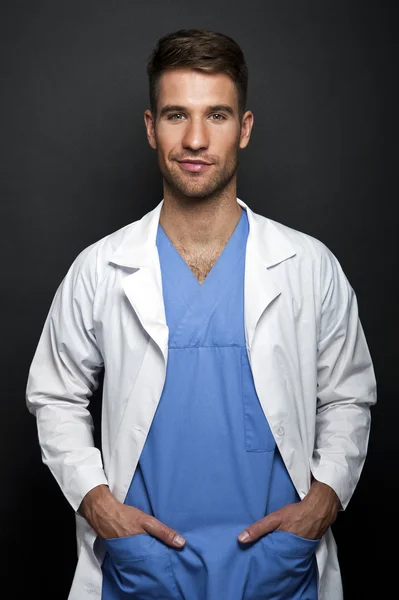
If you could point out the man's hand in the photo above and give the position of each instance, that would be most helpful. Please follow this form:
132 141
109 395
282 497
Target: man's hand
110 518
309 518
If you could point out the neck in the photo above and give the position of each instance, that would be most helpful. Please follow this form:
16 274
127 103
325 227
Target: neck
200 222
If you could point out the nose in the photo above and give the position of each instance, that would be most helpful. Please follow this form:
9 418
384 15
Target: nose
196 135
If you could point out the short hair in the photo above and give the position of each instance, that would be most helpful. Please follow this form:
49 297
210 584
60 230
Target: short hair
200 50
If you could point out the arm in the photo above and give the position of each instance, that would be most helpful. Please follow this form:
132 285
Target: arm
346 391
62 377
346 386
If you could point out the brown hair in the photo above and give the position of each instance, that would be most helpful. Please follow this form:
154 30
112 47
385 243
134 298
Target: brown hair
200 50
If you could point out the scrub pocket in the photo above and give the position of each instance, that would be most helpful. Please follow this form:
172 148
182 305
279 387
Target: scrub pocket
257 434
137 566
283 565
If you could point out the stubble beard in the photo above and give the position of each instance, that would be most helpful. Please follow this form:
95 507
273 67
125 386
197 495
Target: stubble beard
199 185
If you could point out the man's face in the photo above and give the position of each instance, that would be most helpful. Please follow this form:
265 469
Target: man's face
197 120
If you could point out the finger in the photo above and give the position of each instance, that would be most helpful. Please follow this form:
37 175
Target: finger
164 533
261 527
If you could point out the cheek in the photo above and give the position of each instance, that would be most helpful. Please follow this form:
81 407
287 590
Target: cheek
228 150
225 141
167 140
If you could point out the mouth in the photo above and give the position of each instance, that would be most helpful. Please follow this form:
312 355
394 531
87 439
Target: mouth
195 166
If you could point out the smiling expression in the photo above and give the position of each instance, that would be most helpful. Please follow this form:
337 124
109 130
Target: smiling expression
197 132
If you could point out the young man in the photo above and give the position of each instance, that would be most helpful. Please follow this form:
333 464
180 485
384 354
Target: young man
237 379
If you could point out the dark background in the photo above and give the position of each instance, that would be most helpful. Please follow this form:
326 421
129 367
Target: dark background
75 165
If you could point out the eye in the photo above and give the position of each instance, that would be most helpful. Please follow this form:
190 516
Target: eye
172 117
220 117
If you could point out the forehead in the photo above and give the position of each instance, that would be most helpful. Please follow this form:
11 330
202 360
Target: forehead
195 89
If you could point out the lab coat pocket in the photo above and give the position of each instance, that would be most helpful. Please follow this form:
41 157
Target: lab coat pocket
283 565
137 566
257 434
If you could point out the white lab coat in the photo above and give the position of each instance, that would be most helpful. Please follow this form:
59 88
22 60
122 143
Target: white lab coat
311 366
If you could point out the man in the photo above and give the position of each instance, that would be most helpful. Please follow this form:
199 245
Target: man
237 379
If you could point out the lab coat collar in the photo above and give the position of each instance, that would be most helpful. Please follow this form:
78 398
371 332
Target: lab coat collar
138 249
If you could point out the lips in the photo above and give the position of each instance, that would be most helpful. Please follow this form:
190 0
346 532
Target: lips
194 166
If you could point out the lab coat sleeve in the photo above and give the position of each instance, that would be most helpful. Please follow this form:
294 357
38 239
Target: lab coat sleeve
63 376
346 385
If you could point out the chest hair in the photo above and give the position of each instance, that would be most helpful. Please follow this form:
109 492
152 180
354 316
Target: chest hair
201 262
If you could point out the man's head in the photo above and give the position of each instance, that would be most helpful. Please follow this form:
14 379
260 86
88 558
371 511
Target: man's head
198 87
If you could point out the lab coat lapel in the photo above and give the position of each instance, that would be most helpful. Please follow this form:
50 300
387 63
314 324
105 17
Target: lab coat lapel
266 247
260 291
144 291
143 285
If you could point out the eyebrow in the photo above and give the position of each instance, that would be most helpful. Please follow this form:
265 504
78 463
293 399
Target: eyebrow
178 108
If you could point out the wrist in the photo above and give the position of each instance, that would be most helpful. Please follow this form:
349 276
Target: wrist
97 501
323 495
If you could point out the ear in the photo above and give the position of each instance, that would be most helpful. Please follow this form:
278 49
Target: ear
150 127
246 128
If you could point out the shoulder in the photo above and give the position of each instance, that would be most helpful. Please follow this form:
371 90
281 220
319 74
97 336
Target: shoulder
305 245
92 261
319 257
306 253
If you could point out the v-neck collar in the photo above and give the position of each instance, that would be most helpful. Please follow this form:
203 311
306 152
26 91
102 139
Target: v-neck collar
236 232
188 303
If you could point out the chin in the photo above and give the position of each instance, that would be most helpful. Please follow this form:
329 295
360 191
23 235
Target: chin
196 192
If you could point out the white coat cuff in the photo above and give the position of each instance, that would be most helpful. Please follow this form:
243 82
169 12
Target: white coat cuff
86 478
336 481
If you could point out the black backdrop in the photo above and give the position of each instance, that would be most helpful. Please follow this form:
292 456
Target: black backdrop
75 166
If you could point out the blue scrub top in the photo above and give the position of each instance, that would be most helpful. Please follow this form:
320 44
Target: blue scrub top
209 466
